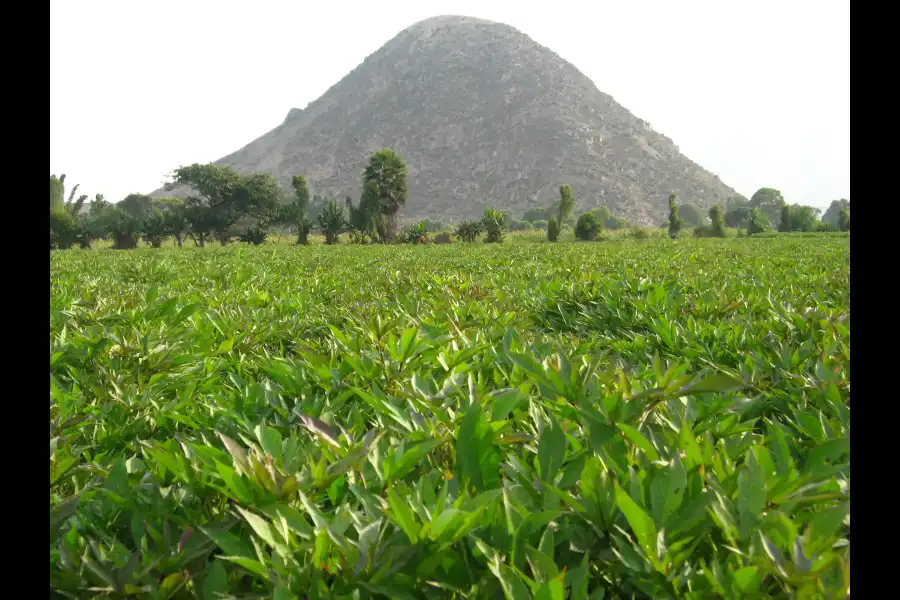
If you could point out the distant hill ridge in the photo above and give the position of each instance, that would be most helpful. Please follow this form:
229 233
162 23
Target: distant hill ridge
483 115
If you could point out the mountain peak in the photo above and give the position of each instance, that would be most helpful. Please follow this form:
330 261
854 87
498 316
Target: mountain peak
484 116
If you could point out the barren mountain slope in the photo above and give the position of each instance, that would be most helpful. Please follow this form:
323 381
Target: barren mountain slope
483 116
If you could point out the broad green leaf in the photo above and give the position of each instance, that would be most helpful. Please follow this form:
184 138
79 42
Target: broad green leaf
751 496
639 521
270 440
503 402
638 439
478 456
403 516
716 382
215 584
552 590
513 587
228 542
254 566
262 528
551 450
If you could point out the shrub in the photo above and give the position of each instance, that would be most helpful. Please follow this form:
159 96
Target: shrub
844 219
431 226
803 218
784 223
614 222
493 226
63 229
640 233
539 225
332 221
737 217
717 221
703 231
758 222
442 238
587 228
674 220
467 231
553 229
415 234
254 235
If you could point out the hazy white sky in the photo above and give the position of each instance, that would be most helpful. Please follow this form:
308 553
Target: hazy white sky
756 92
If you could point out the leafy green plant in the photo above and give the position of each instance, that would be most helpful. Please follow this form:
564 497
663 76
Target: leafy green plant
640 233
296 213
553 230
784 223
717 221
758 222
844 219
385 183
675 222
331 220
493 225
254 235
416 234
588 228
467 231
469 422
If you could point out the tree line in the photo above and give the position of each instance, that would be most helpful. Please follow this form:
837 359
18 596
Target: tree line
224 204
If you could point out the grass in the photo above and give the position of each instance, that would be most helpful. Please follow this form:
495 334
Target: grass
639 418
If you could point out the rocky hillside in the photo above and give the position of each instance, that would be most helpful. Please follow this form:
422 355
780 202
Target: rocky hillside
483 116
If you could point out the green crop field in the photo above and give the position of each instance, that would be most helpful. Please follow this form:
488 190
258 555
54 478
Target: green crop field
631 419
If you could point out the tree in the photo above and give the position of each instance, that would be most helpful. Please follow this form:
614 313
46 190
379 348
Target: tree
385 178
295 213
153 228
603 216
769 201
175 218
690 215
431 225
467 231
331 220
674 220
758 222
717 221
67 226
832 214
803 218
538 214
587 228
566 203
361 221
737 217
553 229
784 221
493 224
224 196
416 233
844 219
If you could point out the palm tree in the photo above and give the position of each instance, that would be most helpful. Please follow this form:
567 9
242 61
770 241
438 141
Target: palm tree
385 176
331 220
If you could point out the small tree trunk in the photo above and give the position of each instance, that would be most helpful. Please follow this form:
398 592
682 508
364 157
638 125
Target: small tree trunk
223 237
201 239
178 239
125 242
